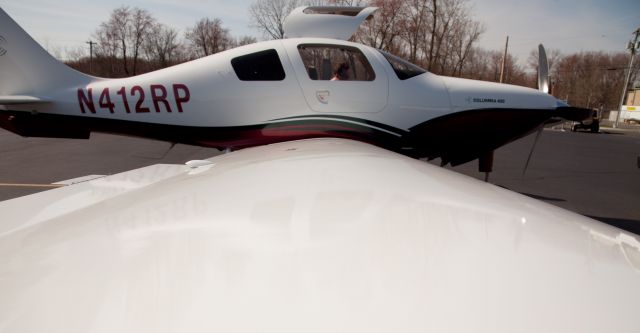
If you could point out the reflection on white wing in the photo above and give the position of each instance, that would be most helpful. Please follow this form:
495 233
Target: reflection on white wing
322 235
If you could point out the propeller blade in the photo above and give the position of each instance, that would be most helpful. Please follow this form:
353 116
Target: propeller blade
562 111
533 147
543 70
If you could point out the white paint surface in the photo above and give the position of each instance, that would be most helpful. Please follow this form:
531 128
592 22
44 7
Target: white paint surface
322 235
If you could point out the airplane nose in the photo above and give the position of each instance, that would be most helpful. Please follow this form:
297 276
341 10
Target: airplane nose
463 136
478 95
471 94
485 116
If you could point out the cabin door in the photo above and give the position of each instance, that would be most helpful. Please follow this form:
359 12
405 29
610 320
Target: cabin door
339 78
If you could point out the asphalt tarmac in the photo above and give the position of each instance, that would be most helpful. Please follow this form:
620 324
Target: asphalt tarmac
30 165
597 175
593 174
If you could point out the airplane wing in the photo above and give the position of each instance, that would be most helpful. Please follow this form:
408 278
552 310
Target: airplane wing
319 235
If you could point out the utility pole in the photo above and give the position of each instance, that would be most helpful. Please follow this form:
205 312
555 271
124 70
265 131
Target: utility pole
633 46
91 43
504 60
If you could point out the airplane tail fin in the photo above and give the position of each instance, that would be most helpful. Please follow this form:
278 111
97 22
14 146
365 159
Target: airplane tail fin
26 68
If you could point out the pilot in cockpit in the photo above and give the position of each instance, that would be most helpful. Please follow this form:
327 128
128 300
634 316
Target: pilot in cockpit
341 72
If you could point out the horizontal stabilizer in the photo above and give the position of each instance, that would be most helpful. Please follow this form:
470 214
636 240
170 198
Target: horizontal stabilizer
12 100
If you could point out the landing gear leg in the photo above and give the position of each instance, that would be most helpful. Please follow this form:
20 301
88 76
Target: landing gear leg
485 164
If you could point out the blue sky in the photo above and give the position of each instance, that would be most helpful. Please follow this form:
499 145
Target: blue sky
568 25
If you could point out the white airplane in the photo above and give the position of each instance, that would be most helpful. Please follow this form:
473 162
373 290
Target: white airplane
315 235
274 91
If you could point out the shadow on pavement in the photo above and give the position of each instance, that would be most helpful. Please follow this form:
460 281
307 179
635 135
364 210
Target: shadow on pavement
543 198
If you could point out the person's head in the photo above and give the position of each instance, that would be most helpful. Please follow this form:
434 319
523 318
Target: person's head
342 71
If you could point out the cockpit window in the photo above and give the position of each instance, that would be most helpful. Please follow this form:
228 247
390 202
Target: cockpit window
259 66
335 63
404 69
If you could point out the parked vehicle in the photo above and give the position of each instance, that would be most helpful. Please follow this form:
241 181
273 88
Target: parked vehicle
591 124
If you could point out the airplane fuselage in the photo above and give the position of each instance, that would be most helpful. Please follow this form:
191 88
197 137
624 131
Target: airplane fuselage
270 92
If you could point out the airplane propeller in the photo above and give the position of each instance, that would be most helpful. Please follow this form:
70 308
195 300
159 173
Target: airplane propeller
485 162
563 112
543 85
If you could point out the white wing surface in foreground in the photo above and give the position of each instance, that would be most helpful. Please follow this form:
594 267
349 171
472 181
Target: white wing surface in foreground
322 235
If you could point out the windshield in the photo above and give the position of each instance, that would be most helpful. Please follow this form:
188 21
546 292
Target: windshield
404 69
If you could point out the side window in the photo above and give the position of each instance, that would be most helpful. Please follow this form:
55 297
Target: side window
259 66
404 69
335 62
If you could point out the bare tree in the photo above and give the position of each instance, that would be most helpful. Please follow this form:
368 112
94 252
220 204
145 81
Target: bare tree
245 40
414 29
345 3
110 43
486 65
268 16
465 35
141 25
123 35
117 28
432 39
75 53
384 29
591 79
445 16
349 3
208 37
451 35
553 56
162 45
